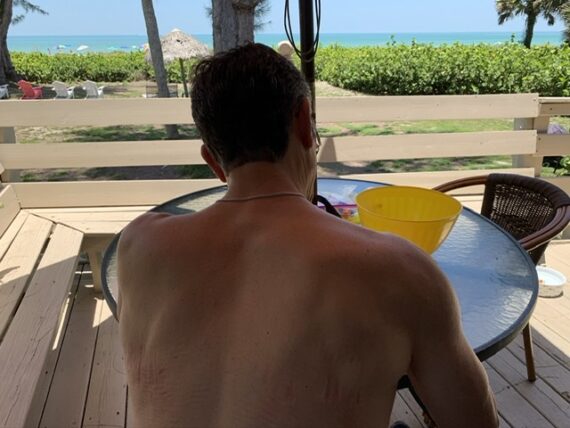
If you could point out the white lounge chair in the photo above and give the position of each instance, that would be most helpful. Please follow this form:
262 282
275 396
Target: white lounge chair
92 90
62 90
4 93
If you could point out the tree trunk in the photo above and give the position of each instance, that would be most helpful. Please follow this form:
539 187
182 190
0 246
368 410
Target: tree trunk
157 58
233 23
7 70
529 30
245 17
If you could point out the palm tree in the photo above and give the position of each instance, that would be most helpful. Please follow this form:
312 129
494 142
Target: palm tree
157 58
561 8
234 21
565 14
531 9
7 70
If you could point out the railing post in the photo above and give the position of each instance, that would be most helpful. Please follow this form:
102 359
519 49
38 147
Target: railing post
8 136
531 161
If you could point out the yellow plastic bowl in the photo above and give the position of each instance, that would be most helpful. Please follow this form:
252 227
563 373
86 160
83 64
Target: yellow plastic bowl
420 215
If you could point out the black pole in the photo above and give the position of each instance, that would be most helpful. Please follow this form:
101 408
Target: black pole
307 58
307 46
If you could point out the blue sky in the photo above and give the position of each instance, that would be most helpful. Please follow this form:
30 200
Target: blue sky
124 17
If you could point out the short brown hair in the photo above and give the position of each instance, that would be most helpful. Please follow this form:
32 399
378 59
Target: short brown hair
243 103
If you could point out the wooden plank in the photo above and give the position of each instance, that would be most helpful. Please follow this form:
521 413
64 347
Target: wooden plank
8 136
416 146
130 413
401 412
12 231
512 406
95 112
106 193
550 108
88 210
411 402
106 400
93 222
136 111
101 154
556 320
9 207
97 229
542 397
187 152
432 179
503 423
548 368
553 145
90 215
25 347
17 266
554 100
66 401
527 161
44 382
562 182
551 341
441 107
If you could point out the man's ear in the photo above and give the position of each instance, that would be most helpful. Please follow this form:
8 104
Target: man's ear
304 125
213 163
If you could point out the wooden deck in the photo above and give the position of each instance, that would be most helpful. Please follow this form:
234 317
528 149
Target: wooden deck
87 388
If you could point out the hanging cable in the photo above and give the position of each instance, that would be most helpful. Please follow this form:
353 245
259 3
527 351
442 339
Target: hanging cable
289 31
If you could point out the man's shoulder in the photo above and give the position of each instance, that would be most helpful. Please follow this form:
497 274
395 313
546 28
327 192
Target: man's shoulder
145 233
401 265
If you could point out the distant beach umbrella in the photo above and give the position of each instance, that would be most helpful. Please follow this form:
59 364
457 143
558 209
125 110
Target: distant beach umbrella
82 48
178 45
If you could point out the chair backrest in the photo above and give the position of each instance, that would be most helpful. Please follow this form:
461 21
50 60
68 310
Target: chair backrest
525 206
60 89
91 88
4 92
532 210
26 88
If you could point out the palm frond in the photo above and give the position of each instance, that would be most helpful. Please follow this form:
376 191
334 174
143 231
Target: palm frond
508 9
29 7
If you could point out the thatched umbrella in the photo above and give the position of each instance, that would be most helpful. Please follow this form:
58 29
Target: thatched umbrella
181 46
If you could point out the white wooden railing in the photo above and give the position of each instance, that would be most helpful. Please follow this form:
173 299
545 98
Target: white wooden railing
527 142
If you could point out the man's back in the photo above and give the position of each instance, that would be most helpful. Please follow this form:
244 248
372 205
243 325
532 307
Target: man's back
264 313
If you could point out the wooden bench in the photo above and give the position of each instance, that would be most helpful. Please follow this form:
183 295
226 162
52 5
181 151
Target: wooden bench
38 259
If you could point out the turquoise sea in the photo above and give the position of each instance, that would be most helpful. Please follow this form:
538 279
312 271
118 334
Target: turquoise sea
53 44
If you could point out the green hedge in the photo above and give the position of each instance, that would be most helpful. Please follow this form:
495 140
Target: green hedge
99 67
416 69
421 69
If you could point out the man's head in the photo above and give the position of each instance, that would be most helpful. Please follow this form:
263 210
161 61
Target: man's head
243 103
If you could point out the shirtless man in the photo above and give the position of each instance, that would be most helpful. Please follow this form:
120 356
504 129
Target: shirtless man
264 311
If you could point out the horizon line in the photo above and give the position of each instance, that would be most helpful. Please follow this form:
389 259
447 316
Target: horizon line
272 33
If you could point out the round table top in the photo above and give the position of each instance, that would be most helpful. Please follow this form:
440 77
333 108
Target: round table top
494 278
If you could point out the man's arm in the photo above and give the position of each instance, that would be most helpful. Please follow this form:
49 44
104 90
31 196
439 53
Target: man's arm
445 371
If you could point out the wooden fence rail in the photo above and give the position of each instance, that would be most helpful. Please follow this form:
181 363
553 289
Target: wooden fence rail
528 142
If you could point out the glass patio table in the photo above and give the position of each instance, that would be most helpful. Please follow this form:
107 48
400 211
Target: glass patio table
494 278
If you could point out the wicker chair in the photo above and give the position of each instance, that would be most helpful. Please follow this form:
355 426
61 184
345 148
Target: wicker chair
530 209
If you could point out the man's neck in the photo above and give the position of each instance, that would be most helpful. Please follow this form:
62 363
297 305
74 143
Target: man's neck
260 178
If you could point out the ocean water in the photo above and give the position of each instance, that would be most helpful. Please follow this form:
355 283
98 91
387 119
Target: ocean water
53 44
